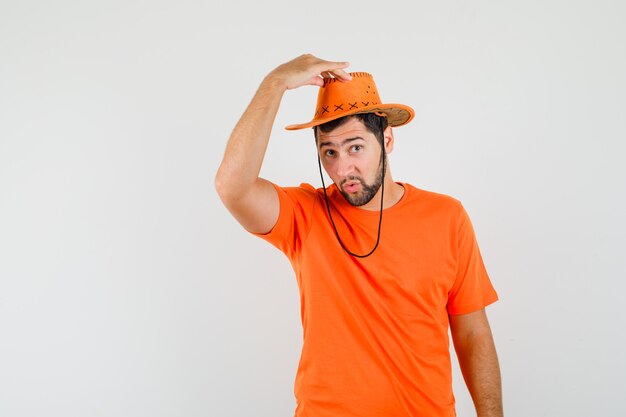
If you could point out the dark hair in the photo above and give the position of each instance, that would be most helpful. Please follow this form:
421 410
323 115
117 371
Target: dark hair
373 123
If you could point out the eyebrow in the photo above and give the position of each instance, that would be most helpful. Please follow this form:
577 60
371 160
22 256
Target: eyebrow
343 142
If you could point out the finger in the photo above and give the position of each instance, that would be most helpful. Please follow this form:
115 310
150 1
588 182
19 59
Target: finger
325 66
326 74
316 80
340 64
341 74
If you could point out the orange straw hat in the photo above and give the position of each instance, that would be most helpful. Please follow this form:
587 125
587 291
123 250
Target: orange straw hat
343 98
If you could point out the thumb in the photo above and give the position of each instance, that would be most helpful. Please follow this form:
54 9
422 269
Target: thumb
316 80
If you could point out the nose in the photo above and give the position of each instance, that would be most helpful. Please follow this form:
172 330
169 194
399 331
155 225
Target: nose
344 166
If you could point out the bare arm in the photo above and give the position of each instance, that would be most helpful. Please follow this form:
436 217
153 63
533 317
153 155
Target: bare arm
478 360
250 199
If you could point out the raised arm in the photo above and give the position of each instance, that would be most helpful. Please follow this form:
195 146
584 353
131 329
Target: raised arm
251 199
478 361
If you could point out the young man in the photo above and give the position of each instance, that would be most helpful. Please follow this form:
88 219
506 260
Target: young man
383 268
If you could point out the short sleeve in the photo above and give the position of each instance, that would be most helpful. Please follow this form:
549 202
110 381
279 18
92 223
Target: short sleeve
472 289
294 220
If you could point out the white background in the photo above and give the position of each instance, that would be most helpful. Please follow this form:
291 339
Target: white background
126 289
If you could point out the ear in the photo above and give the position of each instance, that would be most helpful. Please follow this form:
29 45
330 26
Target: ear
388 139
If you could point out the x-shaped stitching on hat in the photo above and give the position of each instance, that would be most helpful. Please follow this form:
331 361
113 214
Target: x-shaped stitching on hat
338 107
352 106
365 103
324 109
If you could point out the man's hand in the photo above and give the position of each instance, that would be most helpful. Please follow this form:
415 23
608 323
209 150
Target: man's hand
308 70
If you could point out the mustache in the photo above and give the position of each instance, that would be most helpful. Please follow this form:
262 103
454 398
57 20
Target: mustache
352 178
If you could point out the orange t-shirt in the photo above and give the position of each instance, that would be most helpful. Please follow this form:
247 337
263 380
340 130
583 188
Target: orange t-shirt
375 329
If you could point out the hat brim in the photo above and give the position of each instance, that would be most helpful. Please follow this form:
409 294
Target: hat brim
397 115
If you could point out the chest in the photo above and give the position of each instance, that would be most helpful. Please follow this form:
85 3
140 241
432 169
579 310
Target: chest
410 273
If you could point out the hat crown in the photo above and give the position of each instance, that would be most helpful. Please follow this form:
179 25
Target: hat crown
338 98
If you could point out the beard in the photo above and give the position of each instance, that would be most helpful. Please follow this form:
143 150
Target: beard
368 191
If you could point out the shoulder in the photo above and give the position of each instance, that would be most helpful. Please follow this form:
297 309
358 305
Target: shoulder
304 189
302 193
440 209
433 200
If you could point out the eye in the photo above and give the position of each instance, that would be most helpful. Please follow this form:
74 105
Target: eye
329 152
357 148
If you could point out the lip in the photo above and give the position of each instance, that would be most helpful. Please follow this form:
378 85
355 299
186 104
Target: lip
351 186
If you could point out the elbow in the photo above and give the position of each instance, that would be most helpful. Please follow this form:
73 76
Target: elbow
221 186
218 182
228 189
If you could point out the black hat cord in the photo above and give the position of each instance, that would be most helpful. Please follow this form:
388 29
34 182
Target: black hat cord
380 220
